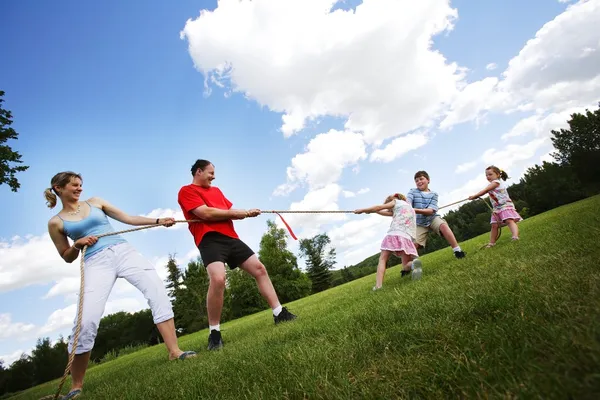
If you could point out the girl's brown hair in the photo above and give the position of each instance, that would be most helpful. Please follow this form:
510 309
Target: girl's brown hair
61 180
391 197
502 174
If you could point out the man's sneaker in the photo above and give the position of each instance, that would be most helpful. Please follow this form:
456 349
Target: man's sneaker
460 254
284 315
214 340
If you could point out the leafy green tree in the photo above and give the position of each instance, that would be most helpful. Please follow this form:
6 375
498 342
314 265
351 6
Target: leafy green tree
320 259
551 185
189 289
289 281
243 295
579 146
3 377
120 330
20 374
8 157
49 361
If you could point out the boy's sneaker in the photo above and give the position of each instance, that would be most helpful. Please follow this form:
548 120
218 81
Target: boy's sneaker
403 273
284 315
214 340
460 254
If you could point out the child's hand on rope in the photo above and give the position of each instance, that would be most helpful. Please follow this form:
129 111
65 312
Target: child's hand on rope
473 197
359 211
85 241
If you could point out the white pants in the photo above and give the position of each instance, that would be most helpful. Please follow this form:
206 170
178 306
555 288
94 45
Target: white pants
101 273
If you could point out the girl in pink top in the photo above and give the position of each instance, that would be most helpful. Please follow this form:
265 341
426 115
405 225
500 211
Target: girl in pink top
504 211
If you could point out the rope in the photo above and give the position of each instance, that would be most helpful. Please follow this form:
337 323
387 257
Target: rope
139 228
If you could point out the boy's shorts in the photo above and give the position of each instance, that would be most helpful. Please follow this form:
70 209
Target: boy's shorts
423 231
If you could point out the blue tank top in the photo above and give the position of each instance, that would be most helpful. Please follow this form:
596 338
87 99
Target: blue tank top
94 224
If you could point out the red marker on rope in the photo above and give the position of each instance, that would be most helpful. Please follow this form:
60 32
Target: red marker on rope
287 226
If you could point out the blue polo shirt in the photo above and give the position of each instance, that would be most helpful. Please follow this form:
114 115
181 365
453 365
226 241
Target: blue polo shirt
419 199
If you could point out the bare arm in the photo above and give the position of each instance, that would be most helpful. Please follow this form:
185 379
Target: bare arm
216 214
67 252
376 209
489 187
386 213
125 218
425 211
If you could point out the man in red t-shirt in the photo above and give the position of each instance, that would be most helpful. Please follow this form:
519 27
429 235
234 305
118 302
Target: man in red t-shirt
218 243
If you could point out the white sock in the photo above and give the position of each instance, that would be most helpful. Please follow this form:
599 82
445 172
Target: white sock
277 310
457 248
216 327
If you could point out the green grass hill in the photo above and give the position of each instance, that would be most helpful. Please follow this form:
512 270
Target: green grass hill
520 320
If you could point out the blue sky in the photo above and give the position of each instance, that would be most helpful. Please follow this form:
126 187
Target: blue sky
110 90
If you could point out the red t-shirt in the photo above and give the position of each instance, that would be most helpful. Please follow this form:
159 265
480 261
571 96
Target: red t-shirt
193 196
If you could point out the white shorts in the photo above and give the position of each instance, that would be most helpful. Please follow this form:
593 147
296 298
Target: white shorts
101 272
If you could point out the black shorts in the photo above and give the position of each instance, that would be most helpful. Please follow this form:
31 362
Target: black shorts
218 247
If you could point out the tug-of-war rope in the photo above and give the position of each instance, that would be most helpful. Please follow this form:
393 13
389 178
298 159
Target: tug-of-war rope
139 228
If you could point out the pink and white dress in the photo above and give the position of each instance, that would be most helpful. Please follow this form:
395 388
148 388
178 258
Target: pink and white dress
402 231
504 208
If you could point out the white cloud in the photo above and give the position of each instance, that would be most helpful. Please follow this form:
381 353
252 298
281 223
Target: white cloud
509 155
323 161
359 230
470 102
399 147
491 66
554 71
32 261
561 53
316 200
541 125
11 358
465 167
9 329
298 58
349 194
167 213
547 157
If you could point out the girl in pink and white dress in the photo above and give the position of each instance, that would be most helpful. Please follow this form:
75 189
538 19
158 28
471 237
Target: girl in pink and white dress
399 238
504 211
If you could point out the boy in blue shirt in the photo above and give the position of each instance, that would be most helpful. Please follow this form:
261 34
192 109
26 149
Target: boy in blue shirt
424 202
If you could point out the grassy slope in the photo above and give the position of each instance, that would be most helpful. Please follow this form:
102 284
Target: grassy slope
519 320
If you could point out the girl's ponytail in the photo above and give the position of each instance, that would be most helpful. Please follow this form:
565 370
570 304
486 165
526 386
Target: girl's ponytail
501 173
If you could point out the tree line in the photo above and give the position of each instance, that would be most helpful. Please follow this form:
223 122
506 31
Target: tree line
573 175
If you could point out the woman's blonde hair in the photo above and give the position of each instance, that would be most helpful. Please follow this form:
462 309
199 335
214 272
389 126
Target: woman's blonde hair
61 180
391 197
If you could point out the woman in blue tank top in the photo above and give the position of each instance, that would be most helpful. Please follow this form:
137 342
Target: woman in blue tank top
106 259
